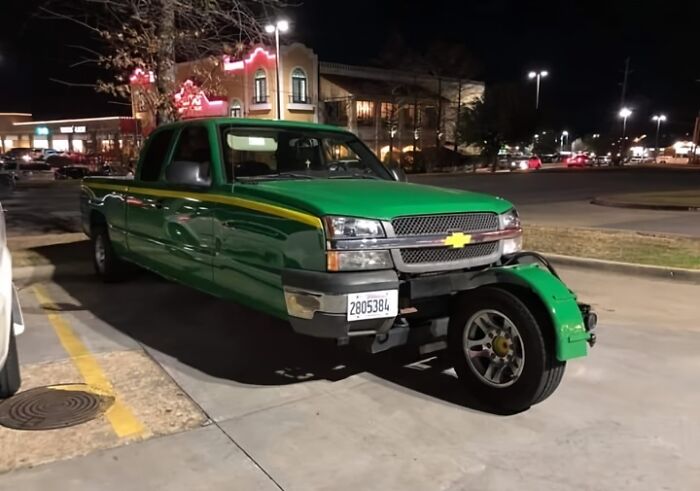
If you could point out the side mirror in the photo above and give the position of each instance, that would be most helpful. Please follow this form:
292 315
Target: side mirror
188 173
397 173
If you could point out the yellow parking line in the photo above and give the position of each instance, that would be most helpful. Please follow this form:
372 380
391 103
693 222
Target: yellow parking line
121 417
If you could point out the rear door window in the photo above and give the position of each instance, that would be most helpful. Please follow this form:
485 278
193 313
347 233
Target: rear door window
155 155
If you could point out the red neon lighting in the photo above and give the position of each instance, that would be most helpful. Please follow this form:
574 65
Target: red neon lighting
192 102
256 52
140 77
232 66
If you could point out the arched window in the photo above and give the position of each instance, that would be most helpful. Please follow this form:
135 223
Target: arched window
299 86
260 93
236 109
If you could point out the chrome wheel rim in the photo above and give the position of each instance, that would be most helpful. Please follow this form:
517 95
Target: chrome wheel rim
493 348
100 253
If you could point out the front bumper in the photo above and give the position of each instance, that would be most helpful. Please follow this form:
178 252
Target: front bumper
317 302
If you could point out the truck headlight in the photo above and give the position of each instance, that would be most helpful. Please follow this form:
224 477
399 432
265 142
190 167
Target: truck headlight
352 228
358 260
511 221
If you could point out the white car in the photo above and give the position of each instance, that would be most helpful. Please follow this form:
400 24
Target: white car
11 321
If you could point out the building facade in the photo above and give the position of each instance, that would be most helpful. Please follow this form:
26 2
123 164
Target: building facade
391 110
245 87
394 110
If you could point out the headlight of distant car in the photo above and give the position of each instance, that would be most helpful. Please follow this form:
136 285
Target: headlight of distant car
352 228
511 221
26 158
523 165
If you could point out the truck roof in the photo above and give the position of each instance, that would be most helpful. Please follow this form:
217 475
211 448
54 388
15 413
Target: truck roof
271 123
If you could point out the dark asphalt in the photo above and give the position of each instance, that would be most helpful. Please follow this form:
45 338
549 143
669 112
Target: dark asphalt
553 197
562 197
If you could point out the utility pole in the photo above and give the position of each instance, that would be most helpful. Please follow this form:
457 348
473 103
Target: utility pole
624 82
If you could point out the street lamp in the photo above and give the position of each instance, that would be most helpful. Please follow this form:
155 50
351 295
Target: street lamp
538 76
279 26
624 113
659 118
564 134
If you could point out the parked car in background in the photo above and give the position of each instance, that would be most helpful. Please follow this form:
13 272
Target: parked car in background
534 163
549 158
579 160
18 155
33 170
72 172
42 154
11 321
602 160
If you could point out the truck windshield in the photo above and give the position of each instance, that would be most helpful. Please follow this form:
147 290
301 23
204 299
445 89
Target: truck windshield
273 153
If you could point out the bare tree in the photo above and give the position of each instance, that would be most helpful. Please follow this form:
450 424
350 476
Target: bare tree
154 35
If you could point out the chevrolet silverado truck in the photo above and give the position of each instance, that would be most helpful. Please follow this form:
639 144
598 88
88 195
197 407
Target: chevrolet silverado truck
303 222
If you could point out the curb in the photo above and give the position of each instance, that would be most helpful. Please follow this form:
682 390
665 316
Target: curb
26 275
640 206
643 270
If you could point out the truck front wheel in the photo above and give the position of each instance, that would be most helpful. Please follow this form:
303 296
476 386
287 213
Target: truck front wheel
500 352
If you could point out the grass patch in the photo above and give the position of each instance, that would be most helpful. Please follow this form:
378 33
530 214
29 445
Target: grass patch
628 247
690 199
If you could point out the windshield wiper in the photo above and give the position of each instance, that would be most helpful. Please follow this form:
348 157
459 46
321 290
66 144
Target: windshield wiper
355 176
272 177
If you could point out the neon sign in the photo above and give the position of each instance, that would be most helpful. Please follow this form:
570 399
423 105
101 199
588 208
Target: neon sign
140 77
232 66
192 102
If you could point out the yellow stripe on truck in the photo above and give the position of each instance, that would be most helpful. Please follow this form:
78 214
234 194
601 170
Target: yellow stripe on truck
274 210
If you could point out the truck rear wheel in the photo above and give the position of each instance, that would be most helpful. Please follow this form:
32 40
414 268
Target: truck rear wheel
500 352
107 263
10 379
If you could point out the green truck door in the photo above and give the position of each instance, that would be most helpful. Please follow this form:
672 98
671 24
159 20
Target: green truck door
187 226
144 208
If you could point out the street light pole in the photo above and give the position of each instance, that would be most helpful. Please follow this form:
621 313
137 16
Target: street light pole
279 26
564 134
538 76
659 118
624 113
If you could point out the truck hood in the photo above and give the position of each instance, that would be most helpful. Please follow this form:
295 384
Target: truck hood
381 200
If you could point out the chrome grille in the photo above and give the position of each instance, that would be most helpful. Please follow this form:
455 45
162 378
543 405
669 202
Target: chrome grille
448 254
442 224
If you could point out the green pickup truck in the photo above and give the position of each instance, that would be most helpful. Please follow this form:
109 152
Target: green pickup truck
303 222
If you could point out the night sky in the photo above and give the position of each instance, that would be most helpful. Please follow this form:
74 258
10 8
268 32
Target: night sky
582 43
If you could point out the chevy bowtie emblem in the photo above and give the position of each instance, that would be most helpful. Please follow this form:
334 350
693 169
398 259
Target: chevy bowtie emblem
457 240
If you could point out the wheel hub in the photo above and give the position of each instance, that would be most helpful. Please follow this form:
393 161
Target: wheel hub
501 346
494 349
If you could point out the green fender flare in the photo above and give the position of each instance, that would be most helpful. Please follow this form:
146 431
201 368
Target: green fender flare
560 303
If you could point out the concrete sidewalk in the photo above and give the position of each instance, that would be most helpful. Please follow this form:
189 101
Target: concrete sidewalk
293 413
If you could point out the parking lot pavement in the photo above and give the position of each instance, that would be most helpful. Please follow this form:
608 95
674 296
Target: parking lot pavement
262 408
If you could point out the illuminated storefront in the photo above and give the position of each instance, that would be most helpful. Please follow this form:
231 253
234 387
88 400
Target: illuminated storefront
116 135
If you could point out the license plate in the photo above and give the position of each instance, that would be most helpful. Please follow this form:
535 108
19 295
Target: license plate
373 305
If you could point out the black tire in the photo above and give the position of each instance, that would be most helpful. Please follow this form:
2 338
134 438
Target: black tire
108 266
541 371
10 379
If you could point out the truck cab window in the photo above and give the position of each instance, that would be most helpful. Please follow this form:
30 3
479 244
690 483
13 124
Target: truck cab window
155 155
192 148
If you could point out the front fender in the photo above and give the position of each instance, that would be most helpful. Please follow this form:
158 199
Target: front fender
571 336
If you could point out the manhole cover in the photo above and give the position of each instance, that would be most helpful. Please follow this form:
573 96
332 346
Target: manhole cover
53 407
